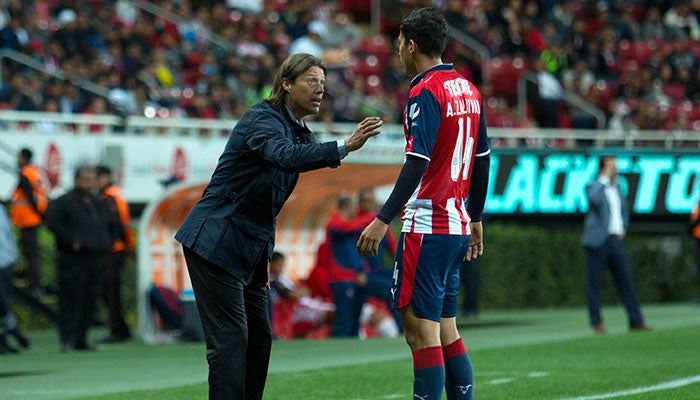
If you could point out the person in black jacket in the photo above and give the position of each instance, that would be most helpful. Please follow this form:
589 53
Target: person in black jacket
84 234
228 237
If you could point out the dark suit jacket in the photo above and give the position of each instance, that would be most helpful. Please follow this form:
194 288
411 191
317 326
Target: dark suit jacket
73 220
595 224
233 224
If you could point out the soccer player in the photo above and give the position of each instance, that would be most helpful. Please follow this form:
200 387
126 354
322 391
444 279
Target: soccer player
447 161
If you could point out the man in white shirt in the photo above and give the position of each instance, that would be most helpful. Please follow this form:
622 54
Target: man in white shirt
604 229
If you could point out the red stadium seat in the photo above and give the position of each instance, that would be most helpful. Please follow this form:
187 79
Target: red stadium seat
504 75
638 51
674 90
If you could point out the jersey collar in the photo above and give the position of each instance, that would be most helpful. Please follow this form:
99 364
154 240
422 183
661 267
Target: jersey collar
439 67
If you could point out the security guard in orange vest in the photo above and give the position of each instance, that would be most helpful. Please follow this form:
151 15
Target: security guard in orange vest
123 245
29 202
695 231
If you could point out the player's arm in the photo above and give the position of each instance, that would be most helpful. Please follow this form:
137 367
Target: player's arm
406 183
423 121
478 187
479 182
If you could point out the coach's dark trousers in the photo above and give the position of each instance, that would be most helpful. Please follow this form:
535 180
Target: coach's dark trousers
611 254
236 326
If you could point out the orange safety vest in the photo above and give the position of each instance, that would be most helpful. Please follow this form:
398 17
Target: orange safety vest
694 217
22 214
114 193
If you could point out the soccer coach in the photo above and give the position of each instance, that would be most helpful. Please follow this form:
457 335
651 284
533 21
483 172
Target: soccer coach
228 237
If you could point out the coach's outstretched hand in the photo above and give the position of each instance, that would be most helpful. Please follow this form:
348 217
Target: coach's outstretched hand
367 128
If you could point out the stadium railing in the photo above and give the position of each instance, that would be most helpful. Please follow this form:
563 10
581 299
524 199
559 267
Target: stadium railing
385 148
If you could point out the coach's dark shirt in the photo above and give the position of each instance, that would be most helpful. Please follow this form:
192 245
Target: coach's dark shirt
233 225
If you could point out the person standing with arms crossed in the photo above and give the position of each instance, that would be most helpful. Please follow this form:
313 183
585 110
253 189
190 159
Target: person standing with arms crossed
29 202
447 160
229 235
84 231
604 228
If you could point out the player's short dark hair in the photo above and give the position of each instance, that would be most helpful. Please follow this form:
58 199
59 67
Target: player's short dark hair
290 70
26 154
103 170
427 27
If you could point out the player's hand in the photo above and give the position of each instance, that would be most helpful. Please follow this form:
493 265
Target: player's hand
364 130
368 244
476 242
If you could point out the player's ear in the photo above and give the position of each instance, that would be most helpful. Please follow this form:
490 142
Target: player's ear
413 47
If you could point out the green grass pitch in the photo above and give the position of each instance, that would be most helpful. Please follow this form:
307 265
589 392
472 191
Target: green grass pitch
516 354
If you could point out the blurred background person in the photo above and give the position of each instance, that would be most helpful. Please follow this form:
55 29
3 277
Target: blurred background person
347 275
604 229
378 269
8 256
82 225
471 287
295 313
29 202
695 232
124 244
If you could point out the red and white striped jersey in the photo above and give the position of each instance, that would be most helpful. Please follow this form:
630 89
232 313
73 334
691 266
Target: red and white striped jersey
443 123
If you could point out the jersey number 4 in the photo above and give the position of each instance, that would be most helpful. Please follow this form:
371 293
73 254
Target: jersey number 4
462 156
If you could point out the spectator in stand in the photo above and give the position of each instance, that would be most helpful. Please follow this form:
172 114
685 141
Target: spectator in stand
27 208
97 106
77 37
123 246
578 78
681 58
653 28
627 27
681 18
548 96
310 43
82 225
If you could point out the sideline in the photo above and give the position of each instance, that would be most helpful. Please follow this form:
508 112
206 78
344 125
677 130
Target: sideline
646 389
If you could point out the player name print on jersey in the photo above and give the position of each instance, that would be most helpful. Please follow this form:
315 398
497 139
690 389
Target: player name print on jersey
460 105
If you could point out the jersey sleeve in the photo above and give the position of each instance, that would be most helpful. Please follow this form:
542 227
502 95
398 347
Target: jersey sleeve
422 124
483 146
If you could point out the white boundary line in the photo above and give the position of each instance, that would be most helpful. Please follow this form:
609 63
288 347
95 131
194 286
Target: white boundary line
653 388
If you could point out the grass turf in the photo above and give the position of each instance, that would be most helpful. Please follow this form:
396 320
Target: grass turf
517 354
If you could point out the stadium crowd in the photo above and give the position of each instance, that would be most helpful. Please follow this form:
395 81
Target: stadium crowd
635 60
